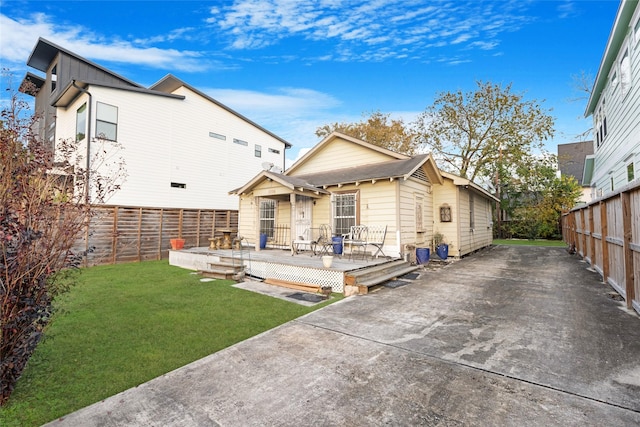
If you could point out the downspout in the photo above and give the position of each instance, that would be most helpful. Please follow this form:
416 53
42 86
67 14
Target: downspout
88 171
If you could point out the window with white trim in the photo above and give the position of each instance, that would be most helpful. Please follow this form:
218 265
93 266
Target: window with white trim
344 212
630 172
107 121
625 72
267 217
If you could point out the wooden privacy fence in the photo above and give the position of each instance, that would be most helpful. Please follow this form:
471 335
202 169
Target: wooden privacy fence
125 234
606 233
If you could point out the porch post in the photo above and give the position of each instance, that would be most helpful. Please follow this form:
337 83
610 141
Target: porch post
256 213
292 221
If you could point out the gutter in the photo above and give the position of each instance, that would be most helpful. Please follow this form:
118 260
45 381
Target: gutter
88 171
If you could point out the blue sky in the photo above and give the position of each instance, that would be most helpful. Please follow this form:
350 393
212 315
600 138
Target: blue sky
295 65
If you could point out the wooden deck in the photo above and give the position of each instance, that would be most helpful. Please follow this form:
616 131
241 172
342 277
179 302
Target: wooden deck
279 267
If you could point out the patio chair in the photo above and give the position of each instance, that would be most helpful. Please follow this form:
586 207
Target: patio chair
356 240
306 239
324 244
375 237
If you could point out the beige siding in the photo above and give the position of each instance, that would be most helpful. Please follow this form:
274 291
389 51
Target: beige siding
340 154
410 191
481 235
447 194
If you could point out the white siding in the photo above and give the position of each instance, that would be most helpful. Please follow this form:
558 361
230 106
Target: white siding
622 143
167 140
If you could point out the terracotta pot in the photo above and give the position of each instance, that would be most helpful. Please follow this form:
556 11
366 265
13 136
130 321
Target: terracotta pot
177 244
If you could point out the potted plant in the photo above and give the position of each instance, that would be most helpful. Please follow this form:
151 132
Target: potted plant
177 244
327 260
441 248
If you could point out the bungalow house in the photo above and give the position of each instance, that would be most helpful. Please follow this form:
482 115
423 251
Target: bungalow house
614 105
343 182
182 149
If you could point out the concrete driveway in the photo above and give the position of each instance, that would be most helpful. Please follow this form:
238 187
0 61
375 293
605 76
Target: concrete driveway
508 336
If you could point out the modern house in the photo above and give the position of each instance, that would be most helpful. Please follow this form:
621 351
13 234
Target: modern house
343 182
571 160
181 148
615 107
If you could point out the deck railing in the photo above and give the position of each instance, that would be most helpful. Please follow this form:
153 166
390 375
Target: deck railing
606 233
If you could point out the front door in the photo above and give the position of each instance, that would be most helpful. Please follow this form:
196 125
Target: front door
303 217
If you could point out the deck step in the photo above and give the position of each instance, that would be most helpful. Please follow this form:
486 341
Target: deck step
223 270
367 278
367 273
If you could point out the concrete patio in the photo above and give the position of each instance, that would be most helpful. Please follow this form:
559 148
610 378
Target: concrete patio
515 336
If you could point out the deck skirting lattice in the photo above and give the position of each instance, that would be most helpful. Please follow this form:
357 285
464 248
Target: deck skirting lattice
296 274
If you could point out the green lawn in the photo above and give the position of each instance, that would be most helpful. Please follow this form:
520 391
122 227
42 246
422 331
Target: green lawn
125 324
524 242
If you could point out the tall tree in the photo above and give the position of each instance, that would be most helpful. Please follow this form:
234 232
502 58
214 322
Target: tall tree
471 133
377 129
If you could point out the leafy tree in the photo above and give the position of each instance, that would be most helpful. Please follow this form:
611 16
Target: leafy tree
42 214
471 134
535 198
378 129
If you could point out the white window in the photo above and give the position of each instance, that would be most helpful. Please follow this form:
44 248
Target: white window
625 72
107 122
267 217
419 214
258 150
344 212
217 136
240 142
630 172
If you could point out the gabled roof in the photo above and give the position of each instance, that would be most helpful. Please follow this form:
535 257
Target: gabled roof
571 159
393 169
334 135
616 38
464 182
170 83
318 182
45 51
293 183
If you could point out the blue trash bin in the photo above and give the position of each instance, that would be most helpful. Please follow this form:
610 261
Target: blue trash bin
263 241
422 255
337 245
443 251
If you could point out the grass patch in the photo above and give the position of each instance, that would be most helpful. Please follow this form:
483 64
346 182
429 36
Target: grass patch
525 242
125 324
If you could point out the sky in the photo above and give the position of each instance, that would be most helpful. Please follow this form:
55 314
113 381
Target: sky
295 65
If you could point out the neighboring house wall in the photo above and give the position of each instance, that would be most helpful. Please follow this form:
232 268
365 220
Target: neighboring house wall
615 105
181 149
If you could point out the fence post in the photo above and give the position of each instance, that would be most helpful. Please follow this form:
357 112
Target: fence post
592 240
605 245
628 253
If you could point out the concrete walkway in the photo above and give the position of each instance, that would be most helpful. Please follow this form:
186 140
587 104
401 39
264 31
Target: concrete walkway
518 336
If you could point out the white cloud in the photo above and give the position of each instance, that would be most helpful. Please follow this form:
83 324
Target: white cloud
20 36
255 24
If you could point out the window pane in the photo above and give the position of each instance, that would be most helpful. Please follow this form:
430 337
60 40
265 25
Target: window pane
344 214
107 113
106 130
81 122
267 217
